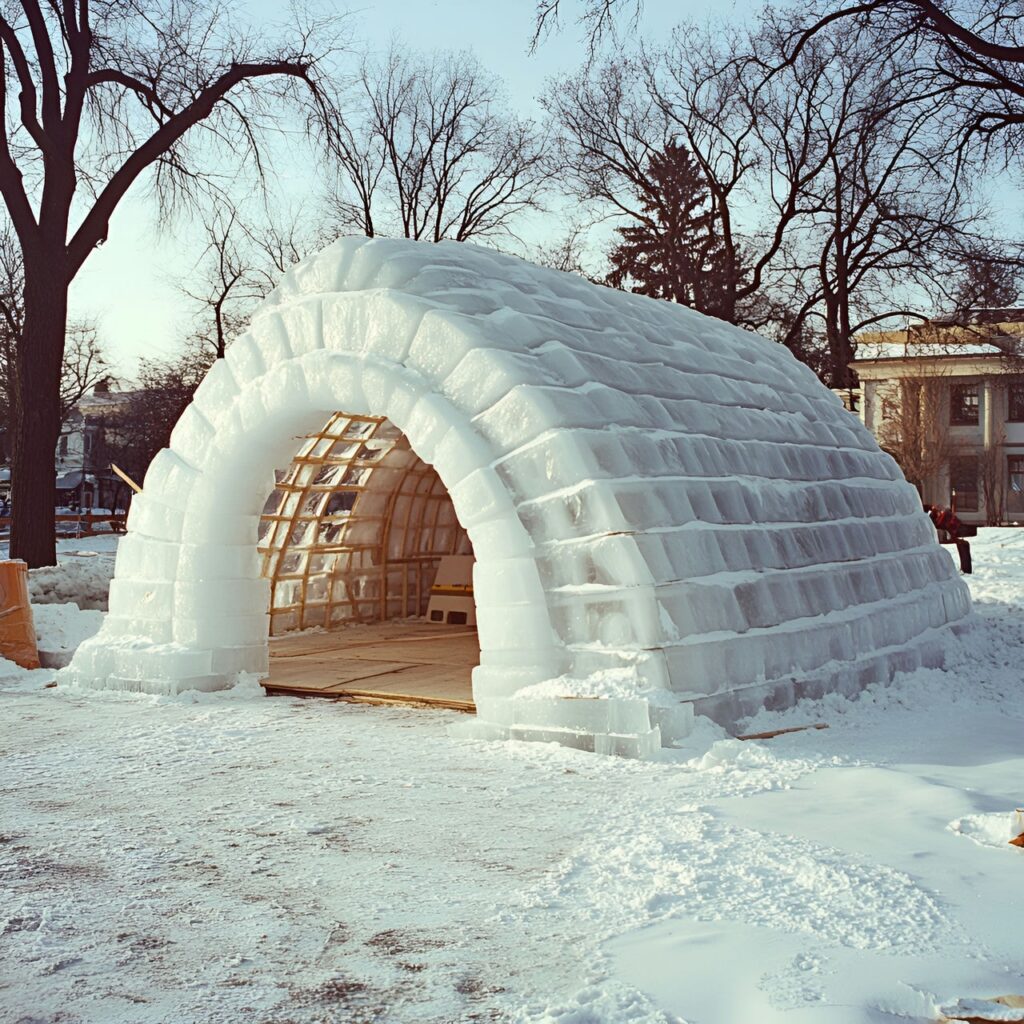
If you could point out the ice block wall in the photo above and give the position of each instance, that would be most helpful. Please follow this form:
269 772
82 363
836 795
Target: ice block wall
668 513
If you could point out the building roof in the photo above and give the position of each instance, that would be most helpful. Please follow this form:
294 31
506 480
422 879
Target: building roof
995 334
875 350
74 479
981 315
99 403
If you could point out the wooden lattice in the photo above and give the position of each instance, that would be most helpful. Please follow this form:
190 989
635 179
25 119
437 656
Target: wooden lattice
355 528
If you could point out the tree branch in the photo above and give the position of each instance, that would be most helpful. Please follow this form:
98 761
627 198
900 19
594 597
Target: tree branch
93 229
27 97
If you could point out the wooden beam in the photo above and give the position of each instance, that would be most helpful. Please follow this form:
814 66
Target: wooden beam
126 478
372 697
780 732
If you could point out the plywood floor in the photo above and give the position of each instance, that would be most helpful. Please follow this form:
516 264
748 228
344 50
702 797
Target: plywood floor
391 662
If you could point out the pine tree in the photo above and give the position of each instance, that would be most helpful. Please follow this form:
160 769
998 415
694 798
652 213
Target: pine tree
987 282
674 252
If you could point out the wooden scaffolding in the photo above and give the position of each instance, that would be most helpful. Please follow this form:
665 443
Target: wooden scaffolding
355 528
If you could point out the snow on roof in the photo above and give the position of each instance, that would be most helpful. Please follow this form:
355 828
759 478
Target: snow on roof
668 513
102 401
977 333
919 350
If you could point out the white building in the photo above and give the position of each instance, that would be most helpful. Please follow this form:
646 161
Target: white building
83 476
971 374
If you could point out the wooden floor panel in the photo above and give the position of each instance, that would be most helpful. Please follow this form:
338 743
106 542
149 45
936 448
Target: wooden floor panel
393 662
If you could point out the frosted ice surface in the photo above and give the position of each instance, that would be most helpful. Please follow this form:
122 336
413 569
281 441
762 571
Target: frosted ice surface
649 493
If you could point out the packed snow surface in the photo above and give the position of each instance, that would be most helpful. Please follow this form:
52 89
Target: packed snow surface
226 858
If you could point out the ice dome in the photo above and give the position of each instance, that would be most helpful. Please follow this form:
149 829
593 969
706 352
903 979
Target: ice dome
668 514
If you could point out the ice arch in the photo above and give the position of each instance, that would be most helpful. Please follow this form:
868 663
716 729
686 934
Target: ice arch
667 512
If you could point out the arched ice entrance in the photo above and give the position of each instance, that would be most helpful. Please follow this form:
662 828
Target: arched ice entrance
354 535
264 426
190 604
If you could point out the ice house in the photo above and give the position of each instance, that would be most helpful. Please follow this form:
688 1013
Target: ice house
668 514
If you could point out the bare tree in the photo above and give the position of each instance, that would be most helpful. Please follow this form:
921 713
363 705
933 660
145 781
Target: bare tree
430 151
599 19
748 135
137 428
914 424
567 252
94 97
12 318
611 137
972 53
222 284
84 364
280 242
608 129
887 205
753 135
992 479
238 267
830 180
988 277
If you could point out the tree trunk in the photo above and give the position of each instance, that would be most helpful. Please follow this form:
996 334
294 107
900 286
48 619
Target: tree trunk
832 339
844 340
837 313
36 412
840 354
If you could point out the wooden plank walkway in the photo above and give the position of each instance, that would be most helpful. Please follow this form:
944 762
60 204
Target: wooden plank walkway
386 663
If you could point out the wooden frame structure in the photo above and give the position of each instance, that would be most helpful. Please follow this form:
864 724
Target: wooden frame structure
79 524
354 528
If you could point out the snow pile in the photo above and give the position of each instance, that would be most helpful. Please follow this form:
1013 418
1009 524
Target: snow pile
245 686
60 628
81 578
990 830
15 677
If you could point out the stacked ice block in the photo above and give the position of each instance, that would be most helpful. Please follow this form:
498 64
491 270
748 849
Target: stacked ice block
668 512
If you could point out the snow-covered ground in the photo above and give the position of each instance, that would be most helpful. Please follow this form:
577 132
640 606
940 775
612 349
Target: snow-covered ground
232 858
82 577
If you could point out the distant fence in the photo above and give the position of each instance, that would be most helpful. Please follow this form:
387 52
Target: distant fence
88 524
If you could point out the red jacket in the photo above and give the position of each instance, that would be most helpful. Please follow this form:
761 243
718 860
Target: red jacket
944 519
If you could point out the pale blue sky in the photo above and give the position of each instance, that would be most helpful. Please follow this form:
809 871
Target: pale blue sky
129 286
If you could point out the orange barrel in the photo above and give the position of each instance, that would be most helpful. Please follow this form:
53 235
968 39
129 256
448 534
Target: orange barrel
17 632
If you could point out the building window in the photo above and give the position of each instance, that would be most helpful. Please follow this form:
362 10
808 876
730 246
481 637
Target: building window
963 483
1015 412
1015 483
963 405
62 445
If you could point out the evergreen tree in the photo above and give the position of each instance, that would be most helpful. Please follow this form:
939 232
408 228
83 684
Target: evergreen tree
987 281
674 251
